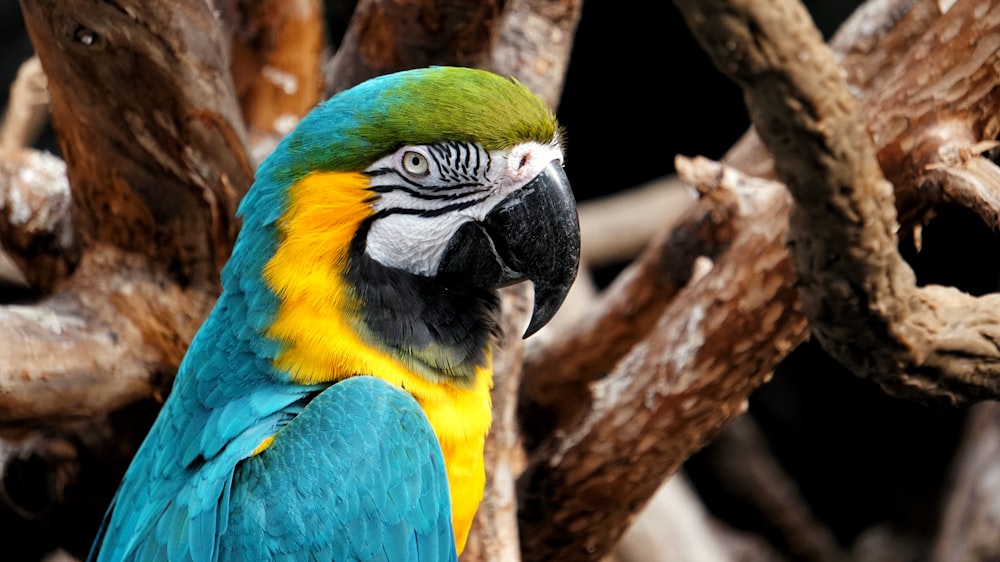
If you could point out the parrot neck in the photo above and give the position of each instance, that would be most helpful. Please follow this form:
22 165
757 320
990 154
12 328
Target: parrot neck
339 314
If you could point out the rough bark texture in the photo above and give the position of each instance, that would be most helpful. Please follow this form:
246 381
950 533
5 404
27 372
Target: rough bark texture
555 390
932 343
389 35
494 531
716 341
154 183
534 43
154 194
277 49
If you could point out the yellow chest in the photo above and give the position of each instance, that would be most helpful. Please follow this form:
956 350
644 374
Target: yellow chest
320 344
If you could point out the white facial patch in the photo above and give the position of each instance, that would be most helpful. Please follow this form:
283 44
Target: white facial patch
423 206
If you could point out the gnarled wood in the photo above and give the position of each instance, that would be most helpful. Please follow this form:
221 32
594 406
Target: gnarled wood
161 183
555 390
277 57
153 196
534 43
716 341
388 35
932 343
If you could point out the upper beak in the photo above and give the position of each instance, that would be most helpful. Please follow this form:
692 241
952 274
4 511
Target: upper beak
534 234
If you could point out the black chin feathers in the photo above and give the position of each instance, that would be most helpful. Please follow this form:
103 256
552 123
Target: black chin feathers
442 323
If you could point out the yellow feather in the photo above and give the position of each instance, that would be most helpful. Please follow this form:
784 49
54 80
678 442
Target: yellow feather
316 323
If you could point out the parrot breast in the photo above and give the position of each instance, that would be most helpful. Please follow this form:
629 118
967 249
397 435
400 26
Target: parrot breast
323 339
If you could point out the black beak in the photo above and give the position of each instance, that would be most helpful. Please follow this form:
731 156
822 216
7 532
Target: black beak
532 235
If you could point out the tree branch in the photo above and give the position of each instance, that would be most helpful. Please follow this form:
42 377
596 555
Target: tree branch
27 108
153 182
716 341
385 36
153 195
970 517
277 53
494 532
36 230
932 343
555 389
97 347
534 43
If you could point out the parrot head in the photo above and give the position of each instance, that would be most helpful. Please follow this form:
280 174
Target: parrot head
464 186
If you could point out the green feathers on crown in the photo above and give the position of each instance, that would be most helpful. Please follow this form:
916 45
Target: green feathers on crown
422 106
430 105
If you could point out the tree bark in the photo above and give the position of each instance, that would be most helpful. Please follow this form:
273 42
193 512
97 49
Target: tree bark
388 35
569 485
153 197
932 343
716 341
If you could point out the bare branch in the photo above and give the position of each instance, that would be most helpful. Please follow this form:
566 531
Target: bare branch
556 381
968 180
970 517
154 182
27 108
276 66
494 531
386 36
35 224
534 43
932 343
153 199
675 526
715 342
616 228
92 349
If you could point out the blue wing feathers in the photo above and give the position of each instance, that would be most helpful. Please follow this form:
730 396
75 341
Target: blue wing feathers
342 438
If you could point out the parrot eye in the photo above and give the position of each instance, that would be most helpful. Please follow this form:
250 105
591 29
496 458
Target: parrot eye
415 163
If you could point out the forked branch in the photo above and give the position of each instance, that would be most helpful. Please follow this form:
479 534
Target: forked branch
931 343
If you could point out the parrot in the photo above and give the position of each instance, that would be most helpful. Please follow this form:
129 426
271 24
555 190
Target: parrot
335 402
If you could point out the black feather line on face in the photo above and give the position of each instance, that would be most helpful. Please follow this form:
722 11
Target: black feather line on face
444 324
430 213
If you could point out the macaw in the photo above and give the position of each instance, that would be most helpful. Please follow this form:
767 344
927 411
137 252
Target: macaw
334 404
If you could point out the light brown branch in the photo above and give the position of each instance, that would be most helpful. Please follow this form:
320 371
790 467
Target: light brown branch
970 516
964 178
534 43
494 532
385 36
276 66
674 526
99 346
36 231
27 108
153 201
162 183
714 343
555 389
616 228
932 343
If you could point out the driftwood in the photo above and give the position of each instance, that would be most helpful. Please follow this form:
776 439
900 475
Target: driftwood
868 136
765 47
